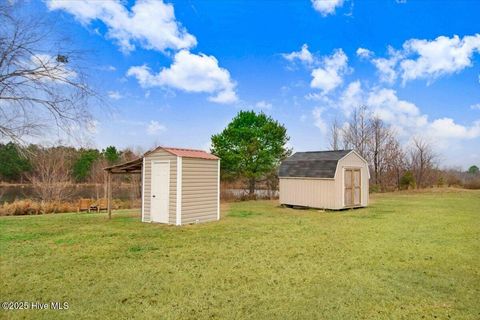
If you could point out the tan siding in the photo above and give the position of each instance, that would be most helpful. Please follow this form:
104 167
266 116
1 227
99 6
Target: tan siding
315 193
324 193
352 160
199 190
161 155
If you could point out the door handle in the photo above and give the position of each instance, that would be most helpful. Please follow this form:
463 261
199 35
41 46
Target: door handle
153 196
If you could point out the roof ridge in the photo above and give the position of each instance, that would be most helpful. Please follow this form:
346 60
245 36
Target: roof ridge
185 149
323 151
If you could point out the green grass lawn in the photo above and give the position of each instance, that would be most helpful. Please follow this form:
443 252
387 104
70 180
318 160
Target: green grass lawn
407 256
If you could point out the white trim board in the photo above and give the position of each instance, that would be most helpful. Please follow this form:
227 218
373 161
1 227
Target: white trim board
178 216
143 189
218 190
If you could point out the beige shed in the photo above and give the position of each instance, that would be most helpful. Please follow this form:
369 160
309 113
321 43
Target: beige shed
324 179
179 186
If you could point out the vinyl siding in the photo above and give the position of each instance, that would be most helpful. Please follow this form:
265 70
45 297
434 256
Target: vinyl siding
160 155
199 190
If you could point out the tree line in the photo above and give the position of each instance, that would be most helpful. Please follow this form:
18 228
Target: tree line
253 145
53 170
394 166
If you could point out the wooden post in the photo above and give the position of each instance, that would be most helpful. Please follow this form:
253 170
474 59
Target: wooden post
109 195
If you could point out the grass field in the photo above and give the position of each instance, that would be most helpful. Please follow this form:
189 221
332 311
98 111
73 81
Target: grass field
407 256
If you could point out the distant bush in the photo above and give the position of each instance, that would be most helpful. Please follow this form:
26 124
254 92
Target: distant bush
473 184
32 207
407 181
440 182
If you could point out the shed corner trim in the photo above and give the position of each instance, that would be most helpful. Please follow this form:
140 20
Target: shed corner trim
143 189
178 217
218 190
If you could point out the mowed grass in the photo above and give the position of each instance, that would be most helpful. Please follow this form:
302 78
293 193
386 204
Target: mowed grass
407 256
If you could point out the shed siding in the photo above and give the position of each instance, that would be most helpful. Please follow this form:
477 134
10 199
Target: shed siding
315 193
199 190
324 193
160 155
352 160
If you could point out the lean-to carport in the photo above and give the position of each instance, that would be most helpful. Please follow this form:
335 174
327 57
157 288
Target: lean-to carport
129 167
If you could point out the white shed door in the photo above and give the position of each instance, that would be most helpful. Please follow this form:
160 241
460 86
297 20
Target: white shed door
160 190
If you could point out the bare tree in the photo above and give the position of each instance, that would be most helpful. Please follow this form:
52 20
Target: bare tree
41 82
357 134
381 141
51 173
422 160
395 164
335 135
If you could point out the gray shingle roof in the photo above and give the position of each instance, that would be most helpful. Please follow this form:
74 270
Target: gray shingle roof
313 164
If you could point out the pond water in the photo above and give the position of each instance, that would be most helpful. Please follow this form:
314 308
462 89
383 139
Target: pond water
9 193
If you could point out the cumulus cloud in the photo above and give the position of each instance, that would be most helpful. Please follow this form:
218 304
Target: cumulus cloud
446 128
351 98
429 60
438 57
475 106
326 7
318 119
190 73
404 116
150 24
330 75
49 68
364 53
154 127
304 55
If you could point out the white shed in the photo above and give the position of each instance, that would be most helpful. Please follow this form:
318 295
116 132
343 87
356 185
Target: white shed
179 186
324 179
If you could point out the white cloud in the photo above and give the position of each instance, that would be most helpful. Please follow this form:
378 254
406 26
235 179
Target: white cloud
115 95
475 106
326 7
150 24
57 71
318 119
191 73
263 105
364 53
438 57
386 67
92 126
304 55
405 117
329 75
351 98
155 127
424 59
446 128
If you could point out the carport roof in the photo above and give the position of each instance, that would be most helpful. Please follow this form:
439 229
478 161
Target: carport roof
312 164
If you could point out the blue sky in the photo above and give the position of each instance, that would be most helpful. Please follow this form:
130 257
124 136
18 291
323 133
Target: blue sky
176 72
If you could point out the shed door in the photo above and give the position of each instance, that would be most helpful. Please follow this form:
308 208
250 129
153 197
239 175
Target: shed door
352 187
160 190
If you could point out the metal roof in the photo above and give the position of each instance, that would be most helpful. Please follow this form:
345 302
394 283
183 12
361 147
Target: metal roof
133 166
312 164
190 153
